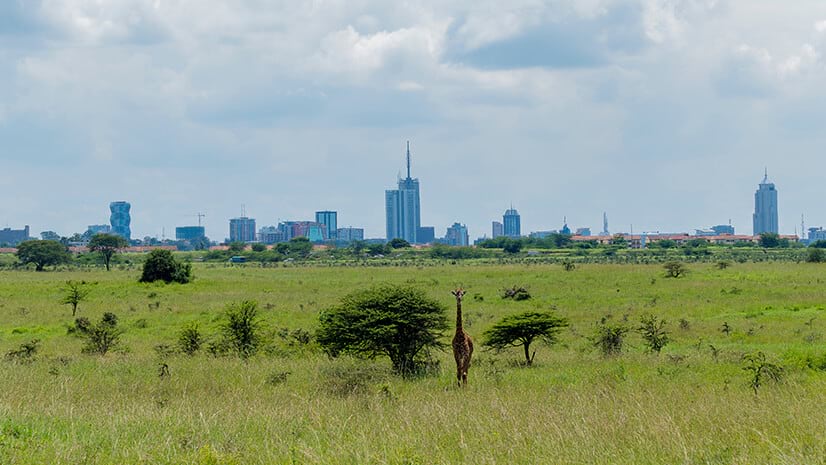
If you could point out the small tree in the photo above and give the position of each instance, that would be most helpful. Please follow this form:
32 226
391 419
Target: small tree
42 253
398 321
258 247
522 329
769 240
723 264
568 265
241 328
674 270
652 330
609 338
161 265
760 369
398 243
74 293
107 245
101 337
512 246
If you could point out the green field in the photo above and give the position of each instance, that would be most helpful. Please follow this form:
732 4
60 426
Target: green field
292 404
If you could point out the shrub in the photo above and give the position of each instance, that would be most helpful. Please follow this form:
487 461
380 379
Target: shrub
568 265
397 321
609 338
241 328
190 339
723 264
760 369
674 270
516 293
258 247
101 337
351 378
522 329
161 265
652 330
815 255
24 353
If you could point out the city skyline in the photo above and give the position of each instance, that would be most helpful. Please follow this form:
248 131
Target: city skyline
662 114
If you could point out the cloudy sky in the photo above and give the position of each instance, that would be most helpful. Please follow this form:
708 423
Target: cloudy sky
663 113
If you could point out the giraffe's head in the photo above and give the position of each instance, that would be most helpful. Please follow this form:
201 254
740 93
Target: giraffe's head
458 293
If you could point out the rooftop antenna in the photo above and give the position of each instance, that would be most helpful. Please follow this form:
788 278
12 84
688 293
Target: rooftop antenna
243 211
766 175
802 227
200 215
408 159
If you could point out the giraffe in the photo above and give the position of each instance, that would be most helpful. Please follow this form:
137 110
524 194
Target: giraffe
462 344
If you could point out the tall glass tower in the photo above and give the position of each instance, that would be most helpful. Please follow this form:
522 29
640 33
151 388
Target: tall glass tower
512 223
403 208
120 219
765 207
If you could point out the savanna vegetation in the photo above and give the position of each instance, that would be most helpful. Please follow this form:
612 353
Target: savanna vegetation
719 365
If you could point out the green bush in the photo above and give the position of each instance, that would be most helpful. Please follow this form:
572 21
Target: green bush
609 338
161 265
397 321
815 255
241 328
101 337
190 339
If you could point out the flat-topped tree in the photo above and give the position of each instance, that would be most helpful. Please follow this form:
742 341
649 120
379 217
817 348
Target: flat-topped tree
42 253
107 245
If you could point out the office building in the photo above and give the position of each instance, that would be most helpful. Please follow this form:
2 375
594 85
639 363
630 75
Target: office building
330 220
457 235
242 229
816 234
498 229
512 223
583 232
120 219
402 208
14 236
605 231
723 229
349 234
426 235
565 229
188 233
765 207
270 235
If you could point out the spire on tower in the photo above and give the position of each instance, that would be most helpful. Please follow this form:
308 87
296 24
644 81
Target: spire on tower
408 159
766 175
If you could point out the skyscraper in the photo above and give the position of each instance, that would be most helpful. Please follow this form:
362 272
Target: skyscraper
242 229
120 219
605 231
403 209
765 207
329 219
457 235
497 229
512 223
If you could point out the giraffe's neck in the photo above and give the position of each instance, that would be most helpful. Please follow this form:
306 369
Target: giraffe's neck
459 316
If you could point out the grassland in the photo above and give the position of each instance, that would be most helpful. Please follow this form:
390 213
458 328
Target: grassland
291 404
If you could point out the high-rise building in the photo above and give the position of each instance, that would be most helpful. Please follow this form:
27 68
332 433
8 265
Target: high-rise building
426 235
402 207
350 234
605 231
120 219
242 229
565 229
188 233
330 220
765 207
498 229
457 235
582 232
10 236
512 223
50 236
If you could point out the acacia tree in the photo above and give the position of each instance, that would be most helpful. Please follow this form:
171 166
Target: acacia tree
398 321
42 253
74 293
522 330
652 330
107 245
161 265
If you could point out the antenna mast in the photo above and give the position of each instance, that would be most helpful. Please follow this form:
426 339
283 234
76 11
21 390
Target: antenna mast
408 159
200 215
